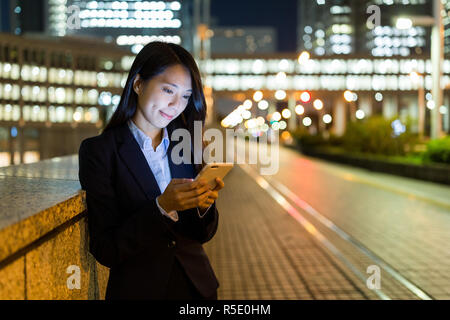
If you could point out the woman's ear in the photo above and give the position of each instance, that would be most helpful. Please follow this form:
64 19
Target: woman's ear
137 84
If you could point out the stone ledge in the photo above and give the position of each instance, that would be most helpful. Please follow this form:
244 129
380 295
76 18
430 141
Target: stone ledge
43 230
20 234
37 198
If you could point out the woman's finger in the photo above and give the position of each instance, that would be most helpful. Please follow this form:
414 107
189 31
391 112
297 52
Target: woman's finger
205 204
213 195
195 192
184 186
219 184
197 200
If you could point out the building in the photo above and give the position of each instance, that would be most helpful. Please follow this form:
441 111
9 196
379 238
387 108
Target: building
446 21
5 13
340 27
54 92
22 16
377 86
386 40
127 23
249 40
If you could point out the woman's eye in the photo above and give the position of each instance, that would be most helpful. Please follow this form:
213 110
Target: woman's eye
187 97
167 90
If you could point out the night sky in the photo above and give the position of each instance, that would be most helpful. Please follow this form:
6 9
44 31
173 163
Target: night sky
281 14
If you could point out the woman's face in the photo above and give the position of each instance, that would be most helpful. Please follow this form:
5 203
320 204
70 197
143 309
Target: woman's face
165 96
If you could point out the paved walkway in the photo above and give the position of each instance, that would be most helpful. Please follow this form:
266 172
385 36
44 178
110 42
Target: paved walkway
312 230
261 252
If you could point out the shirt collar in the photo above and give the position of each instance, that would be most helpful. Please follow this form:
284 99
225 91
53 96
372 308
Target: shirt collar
144 141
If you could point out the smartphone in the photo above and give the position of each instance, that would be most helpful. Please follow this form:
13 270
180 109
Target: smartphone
214 170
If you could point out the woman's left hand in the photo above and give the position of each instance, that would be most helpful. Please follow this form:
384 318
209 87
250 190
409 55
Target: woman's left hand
213 195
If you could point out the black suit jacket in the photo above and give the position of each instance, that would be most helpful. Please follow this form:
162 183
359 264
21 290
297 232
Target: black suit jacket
127 232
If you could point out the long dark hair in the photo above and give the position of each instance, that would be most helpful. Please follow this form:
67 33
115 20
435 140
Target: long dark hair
152 60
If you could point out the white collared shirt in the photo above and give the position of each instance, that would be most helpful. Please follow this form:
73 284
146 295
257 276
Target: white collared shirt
158 162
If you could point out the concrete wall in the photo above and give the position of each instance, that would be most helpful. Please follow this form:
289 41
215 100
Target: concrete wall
43 232
40 271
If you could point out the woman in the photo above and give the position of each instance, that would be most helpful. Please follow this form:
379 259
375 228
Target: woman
147 218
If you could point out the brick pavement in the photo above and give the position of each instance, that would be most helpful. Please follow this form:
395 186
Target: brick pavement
276 258
261 252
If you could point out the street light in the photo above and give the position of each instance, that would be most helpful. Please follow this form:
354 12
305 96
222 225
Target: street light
280 94
318 104
276 116
257 96
351 98
407 22
327 118
418 78
281 76
307 121
404 23
286 113
437 57
303 57
248 104
263 105
379 96
299 109
360 114
305 97
348 95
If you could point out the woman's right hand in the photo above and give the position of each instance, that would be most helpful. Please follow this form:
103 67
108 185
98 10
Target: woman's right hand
183 194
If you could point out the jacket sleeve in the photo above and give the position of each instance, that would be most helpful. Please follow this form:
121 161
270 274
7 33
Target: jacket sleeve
113 239
200 229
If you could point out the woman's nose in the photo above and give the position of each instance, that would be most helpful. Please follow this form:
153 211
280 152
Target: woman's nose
174 101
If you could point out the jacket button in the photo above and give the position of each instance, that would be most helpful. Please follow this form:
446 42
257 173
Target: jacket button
172 244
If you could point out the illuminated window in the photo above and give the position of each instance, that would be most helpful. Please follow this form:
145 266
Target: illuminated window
69 95
15 113
79 95
94 114
26 93
14 92
52 75
105 98
78 114
69 115
60 114
42 116
36 113
7 112
102 81
60 95
26 113
15 74
25 72
92 96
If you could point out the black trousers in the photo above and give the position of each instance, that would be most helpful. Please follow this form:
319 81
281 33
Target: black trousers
180 287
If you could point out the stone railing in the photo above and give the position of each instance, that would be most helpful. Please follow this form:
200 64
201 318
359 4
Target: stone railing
44 236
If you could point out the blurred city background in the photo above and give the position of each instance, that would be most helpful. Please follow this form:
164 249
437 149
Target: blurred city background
348 85
300 67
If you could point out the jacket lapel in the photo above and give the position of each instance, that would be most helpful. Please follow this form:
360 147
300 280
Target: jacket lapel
181 170
132 156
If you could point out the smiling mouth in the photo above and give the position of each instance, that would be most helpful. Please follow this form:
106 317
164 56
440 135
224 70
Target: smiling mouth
165 115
